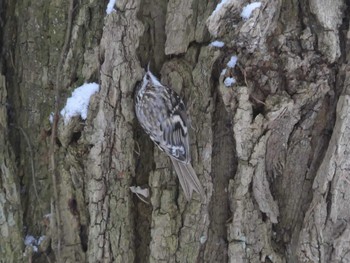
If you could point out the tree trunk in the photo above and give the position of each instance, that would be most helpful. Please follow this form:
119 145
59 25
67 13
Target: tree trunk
269 138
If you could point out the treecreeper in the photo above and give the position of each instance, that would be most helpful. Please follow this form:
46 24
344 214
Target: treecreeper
163 116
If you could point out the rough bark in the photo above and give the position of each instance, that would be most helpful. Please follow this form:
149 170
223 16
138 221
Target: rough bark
272 150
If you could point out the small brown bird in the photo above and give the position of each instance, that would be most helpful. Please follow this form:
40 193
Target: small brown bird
162 114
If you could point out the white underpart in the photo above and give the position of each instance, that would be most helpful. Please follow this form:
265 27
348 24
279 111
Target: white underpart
144 85
154 79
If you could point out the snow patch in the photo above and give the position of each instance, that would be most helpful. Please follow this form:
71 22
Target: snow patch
110 7
31 241
229 81
218 7
232 62
248 9
215 21
47 215
203 239
78 103
51 117
217 44
41 239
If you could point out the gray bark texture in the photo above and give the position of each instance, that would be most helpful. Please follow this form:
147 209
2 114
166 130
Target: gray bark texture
272 150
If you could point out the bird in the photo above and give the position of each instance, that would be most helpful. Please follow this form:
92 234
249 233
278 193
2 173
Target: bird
163 116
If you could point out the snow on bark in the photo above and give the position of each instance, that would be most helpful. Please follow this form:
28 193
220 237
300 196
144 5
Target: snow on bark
78 103
214 21
277 185
110 162
248 9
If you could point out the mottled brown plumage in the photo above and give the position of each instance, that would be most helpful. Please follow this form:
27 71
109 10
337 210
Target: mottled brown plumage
162 114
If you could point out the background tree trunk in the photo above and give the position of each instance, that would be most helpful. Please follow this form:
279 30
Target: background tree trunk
272 150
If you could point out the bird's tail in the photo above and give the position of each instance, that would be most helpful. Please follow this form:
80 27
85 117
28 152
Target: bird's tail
188 179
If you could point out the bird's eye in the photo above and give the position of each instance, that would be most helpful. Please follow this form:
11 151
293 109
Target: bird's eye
148 77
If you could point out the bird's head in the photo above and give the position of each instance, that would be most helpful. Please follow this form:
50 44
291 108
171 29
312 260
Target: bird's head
149 78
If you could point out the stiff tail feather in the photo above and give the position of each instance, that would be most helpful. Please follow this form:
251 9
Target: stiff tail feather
188 179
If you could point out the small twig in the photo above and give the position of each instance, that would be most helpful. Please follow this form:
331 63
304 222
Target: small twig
138 151
141 198
140 193
257 100
32 166
12 62
244 75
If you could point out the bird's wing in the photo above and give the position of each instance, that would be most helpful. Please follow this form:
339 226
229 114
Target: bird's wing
174 140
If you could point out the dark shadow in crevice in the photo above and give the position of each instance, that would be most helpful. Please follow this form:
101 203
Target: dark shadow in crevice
143 155
224 166
151 47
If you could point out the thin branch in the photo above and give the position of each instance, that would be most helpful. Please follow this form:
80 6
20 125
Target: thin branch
32 167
